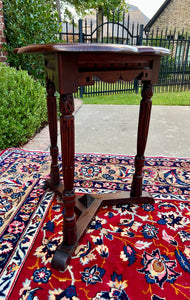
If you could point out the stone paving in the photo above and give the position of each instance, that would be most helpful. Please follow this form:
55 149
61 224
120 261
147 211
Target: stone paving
112 129
41 141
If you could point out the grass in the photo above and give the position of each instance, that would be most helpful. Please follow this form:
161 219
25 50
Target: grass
169 98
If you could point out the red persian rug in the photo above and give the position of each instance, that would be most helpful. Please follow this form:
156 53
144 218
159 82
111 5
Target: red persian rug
129 252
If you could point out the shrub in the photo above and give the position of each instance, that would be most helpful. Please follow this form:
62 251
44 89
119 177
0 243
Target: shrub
22 108
29 22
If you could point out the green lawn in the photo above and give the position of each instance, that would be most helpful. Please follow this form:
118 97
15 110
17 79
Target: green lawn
170 98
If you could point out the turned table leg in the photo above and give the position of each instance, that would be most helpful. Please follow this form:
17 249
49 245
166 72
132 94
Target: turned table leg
143 126
65 249
68 164
52 119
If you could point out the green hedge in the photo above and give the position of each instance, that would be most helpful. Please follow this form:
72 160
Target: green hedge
29 22
22 106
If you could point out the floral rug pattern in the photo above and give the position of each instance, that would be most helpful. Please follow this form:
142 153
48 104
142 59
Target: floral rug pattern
129 251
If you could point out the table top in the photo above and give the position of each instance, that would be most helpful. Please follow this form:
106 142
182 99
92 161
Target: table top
93 48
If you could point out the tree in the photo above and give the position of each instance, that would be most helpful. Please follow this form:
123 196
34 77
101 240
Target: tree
29 22
83 7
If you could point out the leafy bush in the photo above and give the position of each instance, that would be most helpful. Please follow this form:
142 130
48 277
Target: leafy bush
29 22
22 106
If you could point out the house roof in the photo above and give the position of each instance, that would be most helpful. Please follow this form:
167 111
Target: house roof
157 14
136 15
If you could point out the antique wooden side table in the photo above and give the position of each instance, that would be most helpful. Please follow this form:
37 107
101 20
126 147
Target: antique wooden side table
68 66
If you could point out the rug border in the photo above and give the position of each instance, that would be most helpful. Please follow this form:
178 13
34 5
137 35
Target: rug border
94 153
2 151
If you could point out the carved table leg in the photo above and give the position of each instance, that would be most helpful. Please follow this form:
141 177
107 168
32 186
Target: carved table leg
64 251
143 126
87 206
52 119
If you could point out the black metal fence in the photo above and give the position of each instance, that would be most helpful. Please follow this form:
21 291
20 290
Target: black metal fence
117 28
175 69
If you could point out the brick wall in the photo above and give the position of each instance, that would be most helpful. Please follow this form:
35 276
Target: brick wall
175 15
2 36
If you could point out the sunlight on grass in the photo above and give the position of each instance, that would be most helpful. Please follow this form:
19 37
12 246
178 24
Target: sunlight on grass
173 98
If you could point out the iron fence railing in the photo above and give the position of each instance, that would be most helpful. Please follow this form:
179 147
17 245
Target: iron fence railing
116 27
